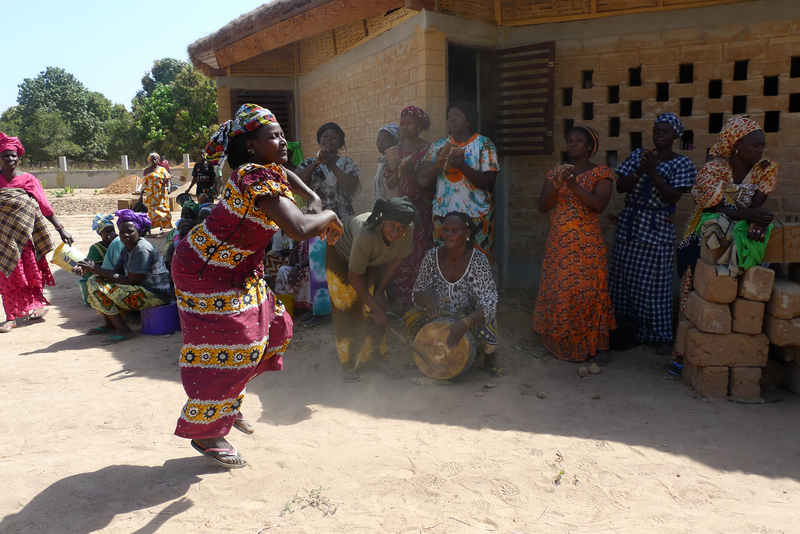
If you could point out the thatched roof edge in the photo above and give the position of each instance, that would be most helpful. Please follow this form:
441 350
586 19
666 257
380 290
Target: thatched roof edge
256 20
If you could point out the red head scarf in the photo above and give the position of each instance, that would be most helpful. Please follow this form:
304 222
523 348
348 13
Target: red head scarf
11 143
424 120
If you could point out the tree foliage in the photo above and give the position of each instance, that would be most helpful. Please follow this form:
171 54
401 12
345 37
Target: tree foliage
175 112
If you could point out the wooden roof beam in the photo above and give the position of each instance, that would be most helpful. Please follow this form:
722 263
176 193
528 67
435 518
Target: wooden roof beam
323 18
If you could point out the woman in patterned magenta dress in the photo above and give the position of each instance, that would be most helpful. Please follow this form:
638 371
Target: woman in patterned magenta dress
573 314
233 327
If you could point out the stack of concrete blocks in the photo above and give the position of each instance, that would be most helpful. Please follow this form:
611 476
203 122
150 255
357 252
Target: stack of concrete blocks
782 326
721 338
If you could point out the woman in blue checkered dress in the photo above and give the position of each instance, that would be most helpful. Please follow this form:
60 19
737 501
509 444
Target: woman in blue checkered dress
643 257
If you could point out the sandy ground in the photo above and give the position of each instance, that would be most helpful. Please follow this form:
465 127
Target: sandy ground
88 443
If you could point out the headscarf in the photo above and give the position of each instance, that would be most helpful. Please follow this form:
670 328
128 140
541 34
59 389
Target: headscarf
11 143
139 220
330 126
593 137
398 209
672 120
424 120
101 222
737 127
471 226
249 117
153 157
394 131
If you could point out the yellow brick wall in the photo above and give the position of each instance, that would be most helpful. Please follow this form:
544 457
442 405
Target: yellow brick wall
371 92
769 47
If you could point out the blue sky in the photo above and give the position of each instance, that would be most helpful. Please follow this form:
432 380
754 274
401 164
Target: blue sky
107 45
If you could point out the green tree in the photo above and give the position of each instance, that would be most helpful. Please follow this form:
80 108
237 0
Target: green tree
48 136
164 72
11 121
55 89
197 116
121 132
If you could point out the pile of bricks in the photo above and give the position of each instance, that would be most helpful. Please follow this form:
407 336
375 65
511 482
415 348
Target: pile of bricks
782 326
721 338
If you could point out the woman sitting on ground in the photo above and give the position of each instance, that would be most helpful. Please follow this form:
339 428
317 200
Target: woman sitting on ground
357 287
735 182
104 226
293 279
455 280
139 280
573 313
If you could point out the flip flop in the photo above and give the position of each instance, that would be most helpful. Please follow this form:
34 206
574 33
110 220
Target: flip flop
241 424
38 313
219 456
314 321
495 372
96 331
113 340
7 327
675 369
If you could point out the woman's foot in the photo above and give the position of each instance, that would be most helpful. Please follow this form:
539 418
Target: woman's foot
8 326
241 424
602 357
99 330
219 450
351 376
38 313
306 316
120 337
314 321
491 365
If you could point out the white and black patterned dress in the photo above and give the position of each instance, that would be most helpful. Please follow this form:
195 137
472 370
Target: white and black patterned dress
324 183
475 288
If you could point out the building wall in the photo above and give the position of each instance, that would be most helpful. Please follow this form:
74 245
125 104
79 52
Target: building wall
712 50
364 92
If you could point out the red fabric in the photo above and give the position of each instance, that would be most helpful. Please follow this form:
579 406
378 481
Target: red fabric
33 187
11 143
22 292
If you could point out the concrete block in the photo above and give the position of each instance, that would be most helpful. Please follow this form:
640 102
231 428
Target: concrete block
784 303
782 332
708 316
712 287
730 350
709 381
747 316
744 382
684 327
756 283
712 255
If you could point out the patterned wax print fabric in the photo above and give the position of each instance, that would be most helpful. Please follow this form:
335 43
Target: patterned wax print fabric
358 338
24 243
301 289
422 199
324 183
156 199
455 193
714 185
643 255
573 313
233 327
109 298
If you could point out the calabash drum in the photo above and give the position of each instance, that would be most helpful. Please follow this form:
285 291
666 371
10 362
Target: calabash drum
431 340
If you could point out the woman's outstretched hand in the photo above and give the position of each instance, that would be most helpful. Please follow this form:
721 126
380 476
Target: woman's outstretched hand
85 266
66 237
333 232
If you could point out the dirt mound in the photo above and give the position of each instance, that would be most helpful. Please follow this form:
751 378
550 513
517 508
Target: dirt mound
122 186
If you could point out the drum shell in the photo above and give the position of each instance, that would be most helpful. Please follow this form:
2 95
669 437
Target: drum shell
447 364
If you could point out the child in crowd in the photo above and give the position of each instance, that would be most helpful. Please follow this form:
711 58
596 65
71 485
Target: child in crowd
104 226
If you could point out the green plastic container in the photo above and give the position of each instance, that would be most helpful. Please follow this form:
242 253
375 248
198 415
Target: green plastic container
84 290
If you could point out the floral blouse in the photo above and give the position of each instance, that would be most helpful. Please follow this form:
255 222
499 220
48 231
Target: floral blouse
324 183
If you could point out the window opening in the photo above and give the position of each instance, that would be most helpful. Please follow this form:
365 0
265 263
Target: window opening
794 103
636 140
588 111
715 89
687 140
635 77
739 104
636 109
686 107
567 96
686 73
613 127
770 86
772 121
613 94
740 70
587 79
662 92
715 123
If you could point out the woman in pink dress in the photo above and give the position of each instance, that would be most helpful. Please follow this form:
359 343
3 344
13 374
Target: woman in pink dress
24 239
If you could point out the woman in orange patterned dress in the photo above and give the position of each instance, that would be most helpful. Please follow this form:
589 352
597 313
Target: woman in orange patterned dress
573 314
